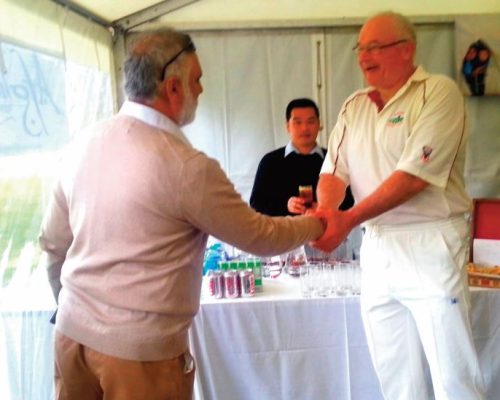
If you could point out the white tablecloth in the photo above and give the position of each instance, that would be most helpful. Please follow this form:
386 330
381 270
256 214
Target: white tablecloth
280 346
275 346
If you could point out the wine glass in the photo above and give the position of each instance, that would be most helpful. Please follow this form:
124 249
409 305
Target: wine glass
294 260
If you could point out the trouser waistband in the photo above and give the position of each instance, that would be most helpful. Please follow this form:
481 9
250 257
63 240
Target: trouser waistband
414 227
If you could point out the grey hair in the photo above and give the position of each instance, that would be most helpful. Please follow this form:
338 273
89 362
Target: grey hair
402 23
146 59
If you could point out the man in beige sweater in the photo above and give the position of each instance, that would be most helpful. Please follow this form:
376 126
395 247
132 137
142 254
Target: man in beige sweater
126 231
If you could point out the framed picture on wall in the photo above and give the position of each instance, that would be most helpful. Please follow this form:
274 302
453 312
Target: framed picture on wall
477 52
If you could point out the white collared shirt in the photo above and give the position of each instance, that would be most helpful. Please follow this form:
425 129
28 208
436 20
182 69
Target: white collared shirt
152 117
290 148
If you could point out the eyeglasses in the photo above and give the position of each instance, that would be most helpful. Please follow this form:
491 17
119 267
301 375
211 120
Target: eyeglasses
189 48
375 48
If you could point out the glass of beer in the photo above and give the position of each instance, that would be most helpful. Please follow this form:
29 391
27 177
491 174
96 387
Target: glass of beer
306 193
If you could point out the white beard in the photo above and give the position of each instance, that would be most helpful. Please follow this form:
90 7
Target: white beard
188 110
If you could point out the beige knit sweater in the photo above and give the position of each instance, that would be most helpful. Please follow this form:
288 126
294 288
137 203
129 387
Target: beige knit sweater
126 232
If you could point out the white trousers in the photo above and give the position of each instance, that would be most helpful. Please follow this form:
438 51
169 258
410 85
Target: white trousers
415 297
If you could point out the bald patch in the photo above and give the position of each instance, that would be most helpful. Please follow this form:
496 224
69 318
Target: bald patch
144 45
397 24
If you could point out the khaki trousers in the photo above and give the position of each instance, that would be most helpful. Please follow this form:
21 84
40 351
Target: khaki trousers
84 374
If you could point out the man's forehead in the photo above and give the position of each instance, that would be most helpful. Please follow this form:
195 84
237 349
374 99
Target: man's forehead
301 112
378 29
194 63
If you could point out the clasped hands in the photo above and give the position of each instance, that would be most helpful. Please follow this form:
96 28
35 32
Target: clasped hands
338 225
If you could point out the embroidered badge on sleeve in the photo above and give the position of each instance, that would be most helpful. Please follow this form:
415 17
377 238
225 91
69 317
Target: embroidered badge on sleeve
426 153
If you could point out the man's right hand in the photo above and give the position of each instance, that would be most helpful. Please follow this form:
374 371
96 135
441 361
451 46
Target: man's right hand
338 226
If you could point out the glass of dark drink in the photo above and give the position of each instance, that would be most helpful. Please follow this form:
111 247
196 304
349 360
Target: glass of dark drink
306 193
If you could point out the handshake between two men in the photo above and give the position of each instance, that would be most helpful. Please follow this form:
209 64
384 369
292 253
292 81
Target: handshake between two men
338 224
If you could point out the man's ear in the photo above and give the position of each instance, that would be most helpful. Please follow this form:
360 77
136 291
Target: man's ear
173 88
409 51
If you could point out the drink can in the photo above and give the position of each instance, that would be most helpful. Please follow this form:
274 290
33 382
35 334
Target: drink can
216 284
231 279
247 283
234 266
256 266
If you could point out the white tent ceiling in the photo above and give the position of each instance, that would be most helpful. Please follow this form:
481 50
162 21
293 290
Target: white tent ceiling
193 14
111 10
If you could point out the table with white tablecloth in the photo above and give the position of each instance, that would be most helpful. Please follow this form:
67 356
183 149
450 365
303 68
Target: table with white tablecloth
278 345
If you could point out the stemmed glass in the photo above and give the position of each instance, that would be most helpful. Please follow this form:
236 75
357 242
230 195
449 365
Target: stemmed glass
294 260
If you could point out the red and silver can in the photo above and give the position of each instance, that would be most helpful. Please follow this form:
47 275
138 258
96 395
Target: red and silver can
216 284
247 279
231 284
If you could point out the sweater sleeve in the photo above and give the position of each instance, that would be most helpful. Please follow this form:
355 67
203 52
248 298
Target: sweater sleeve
55 238
211 203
